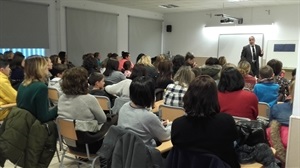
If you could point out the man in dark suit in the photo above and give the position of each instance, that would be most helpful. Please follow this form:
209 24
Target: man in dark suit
250 53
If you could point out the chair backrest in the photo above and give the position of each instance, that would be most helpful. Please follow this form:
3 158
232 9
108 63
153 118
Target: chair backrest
170 113
263 109
104 102
53 94
66 131
159 94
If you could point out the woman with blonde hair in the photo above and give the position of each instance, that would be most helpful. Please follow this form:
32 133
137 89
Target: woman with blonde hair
150 69
33 92
175 91
222 60
244 67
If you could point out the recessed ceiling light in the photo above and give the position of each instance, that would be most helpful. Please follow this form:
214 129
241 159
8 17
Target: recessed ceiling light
168 6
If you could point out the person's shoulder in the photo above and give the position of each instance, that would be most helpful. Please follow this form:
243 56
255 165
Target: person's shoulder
88 96
97 92
38 84
180 120
224 117
247 93
246 46
118 73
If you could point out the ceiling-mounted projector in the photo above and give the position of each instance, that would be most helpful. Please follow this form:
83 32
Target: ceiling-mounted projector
226 19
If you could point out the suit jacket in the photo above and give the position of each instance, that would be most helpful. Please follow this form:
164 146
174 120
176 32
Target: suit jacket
247 55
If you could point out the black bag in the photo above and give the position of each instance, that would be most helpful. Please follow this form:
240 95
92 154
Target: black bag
251 133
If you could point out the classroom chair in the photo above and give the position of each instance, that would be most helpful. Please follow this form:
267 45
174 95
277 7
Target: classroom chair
105 104
263 110
68 137
170 113
53 95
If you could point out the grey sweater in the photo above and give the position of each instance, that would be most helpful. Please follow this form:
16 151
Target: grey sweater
143 123
80 107
115 77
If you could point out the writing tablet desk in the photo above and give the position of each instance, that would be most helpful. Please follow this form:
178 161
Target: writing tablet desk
165 146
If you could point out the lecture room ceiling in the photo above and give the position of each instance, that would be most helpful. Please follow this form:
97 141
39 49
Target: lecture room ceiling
193 5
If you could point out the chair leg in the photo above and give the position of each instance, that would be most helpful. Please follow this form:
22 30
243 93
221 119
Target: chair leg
58 158
62 159
94 161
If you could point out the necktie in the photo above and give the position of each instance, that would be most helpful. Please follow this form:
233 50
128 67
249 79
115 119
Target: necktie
253 54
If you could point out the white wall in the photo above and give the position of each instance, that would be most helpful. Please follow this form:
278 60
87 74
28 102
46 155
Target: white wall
190 34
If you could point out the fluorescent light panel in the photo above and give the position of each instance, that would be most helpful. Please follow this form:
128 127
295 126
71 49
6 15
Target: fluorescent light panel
168 6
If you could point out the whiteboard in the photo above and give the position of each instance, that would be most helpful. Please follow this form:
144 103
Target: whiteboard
231 45
288 59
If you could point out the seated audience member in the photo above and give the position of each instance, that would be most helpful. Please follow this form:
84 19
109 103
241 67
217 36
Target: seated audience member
121 89
212 68
8 55
150 69
222 60
127 69
175 91
197 71
90 63
64 59
283 83
58 71
55 59
164 74
293 75
204 127
157 60
97 56
7 93
233 99
139 57
111 72
33 92
77 104
282 112
279 126
17 70
190 60
125 57
136 116
96 81
245 69
227 65
288 98
177 61
50 66
266 90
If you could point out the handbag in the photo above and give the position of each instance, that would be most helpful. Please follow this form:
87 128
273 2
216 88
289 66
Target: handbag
251 133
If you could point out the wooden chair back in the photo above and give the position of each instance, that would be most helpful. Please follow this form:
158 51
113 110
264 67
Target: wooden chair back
53 95
263 110
170 113
104 102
